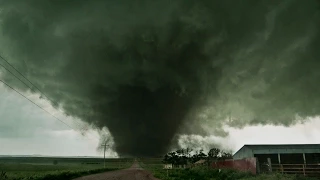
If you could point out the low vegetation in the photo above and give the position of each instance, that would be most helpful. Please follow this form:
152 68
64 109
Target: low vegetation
61 175
54 171
203 172
214 174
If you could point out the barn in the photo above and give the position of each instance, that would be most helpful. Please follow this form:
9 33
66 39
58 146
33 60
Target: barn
285 158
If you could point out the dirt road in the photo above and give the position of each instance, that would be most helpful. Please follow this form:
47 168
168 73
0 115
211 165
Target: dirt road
135 172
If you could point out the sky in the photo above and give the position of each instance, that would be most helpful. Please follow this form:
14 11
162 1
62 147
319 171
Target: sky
27 130
158 75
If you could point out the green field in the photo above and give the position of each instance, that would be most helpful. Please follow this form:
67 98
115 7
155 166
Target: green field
46 168
203 173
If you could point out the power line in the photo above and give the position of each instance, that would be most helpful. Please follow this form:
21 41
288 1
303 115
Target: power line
26 79
33 85
35 103
15 76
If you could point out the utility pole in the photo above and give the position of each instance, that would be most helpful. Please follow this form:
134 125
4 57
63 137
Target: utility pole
104 153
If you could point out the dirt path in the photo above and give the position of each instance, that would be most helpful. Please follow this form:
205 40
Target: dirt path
135 172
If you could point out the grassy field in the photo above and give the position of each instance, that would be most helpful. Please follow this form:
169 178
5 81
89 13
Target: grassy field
202 173
56 168
46 168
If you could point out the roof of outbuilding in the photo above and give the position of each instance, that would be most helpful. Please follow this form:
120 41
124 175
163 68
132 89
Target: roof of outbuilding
282 146
279 146
200 161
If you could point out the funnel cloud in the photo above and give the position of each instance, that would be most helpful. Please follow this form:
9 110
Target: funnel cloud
149 70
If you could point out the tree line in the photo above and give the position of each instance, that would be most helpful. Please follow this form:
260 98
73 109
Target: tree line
187 156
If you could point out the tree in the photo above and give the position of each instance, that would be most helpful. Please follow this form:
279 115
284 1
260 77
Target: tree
178 157
202 155
171 158
188 151
214 153
217 154
55 162
198 156
225 155
183 156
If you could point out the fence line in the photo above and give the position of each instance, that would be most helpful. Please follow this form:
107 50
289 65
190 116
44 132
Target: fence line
302 169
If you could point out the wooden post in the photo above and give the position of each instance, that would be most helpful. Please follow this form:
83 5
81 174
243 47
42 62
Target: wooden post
304 164
257 166
304 158
270 165
104 154
280 165
104 157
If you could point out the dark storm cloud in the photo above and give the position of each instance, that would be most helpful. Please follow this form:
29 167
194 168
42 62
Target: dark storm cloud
145 68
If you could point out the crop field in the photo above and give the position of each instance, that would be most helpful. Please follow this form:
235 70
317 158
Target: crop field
203 173
151 163
42 168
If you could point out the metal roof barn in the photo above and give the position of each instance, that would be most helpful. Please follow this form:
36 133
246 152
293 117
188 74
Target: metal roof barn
283 157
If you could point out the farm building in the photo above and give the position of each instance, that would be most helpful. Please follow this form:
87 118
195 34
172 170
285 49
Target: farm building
285 158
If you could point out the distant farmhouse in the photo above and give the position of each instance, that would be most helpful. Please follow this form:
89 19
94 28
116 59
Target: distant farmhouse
292 159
